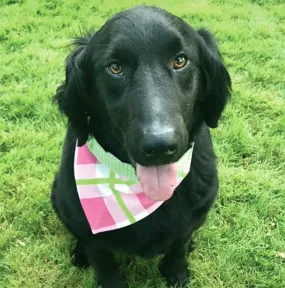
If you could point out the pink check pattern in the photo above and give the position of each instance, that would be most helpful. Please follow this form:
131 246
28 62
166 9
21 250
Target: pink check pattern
110 201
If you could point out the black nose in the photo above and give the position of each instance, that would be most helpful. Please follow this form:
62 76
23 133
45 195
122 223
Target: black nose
160 143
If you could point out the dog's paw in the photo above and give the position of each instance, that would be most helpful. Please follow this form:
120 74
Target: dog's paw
113 286
113 283
80 262
78 258
191 247
176 276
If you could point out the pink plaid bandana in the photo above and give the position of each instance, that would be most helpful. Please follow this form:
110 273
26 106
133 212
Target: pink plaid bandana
110 192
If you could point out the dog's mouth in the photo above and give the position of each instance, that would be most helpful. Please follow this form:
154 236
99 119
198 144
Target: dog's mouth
158 176
158 182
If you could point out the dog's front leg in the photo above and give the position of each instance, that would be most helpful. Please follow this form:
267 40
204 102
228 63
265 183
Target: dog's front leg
173 266
106 267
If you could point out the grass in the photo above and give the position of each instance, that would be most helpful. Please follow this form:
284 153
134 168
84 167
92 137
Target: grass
246 228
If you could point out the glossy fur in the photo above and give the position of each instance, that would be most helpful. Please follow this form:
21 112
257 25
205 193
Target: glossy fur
124 112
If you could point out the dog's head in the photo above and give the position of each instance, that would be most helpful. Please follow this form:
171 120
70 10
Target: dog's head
148 78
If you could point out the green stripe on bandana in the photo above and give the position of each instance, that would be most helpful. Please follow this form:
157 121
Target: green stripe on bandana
96 181
112 182
111 161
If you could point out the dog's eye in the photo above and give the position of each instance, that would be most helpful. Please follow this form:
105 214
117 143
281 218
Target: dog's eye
116 69
179 62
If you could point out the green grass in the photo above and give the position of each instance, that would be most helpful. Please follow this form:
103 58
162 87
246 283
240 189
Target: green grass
246 228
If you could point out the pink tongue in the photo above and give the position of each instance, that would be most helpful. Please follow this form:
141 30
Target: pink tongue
158 182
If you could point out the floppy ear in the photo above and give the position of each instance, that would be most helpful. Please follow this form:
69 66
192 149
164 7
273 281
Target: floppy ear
218 81
71 95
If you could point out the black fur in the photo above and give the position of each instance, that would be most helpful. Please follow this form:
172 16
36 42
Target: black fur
117 110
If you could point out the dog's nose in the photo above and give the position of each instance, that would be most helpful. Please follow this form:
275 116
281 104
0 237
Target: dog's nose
161 143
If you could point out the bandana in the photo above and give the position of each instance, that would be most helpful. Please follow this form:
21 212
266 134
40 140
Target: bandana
109 190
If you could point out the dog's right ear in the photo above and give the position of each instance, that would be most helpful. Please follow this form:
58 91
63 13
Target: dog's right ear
71 95
218 80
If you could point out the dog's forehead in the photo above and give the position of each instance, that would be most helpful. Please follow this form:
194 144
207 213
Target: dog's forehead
142 34
143 26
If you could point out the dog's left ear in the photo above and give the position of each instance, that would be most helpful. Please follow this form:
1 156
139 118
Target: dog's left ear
218 81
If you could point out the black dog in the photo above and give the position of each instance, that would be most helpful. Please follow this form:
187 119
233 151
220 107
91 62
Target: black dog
146 85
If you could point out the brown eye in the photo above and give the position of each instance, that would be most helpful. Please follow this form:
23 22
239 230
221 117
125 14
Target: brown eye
179 62
116 69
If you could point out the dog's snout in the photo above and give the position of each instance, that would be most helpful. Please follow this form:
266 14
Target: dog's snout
159 144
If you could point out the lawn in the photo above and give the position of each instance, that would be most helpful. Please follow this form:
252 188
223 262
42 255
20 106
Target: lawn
239 244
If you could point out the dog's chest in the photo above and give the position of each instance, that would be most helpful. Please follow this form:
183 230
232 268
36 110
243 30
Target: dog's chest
154 234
